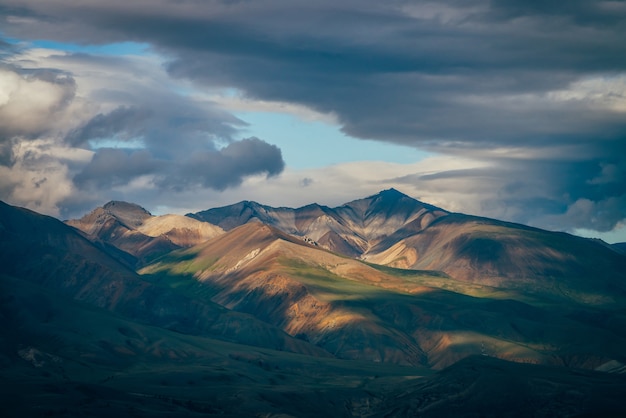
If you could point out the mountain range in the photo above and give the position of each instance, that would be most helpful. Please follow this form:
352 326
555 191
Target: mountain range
352 229
392 229
384 306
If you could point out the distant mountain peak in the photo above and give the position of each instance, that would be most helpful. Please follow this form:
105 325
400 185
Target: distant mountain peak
130 214
121 206
391 193
389 201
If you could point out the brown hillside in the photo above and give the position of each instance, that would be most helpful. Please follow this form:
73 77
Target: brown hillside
357 311
504 255
134 230
46 252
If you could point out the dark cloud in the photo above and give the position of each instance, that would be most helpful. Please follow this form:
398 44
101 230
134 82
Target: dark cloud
586 12
60 151
553 194
218 170
534 88
122 124
227 167
178 144
6 153
167 123
114 167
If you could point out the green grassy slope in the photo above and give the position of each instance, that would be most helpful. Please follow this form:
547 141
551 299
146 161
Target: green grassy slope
61 357
362 311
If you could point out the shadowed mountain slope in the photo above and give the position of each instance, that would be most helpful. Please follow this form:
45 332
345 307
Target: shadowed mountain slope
134 230
619 247
46 252
359 311
60 357
481 386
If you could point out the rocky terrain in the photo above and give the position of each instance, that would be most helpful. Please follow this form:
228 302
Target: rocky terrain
351 229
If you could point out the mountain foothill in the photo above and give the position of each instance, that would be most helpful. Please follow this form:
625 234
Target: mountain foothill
383 306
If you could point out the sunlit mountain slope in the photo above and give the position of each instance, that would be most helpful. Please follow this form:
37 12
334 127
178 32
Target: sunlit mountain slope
134 230
360 311
350 229
44 251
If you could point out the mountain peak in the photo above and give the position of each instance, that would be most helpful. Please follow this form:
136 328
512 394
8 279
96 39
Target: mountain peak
391 196
389 201
391 193
121 206
129 213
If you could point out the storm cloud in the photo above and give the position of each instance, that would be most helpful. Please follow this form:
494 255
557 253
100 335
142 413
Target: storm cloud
535 91
228 167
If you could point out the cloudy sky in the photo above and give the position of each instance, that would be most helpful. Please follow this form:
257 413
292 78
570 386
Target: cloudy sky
513 109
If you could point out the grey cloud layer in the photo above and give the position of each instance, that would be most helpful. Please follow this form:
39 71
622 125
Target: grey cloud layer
217 169
460 78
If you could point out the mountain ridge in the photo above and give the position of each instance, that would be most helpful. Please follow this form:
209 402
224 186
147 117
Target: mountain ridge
350 229
300 326
391 228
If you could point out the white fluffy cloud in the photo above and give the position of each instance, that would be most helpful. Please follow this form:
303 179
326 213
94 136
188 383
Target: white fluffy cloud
32 103
129 122
40 177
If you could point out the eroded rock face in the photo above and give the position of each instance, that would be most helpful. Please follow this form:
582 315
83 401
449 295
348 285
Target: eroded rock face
351 229
511 256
